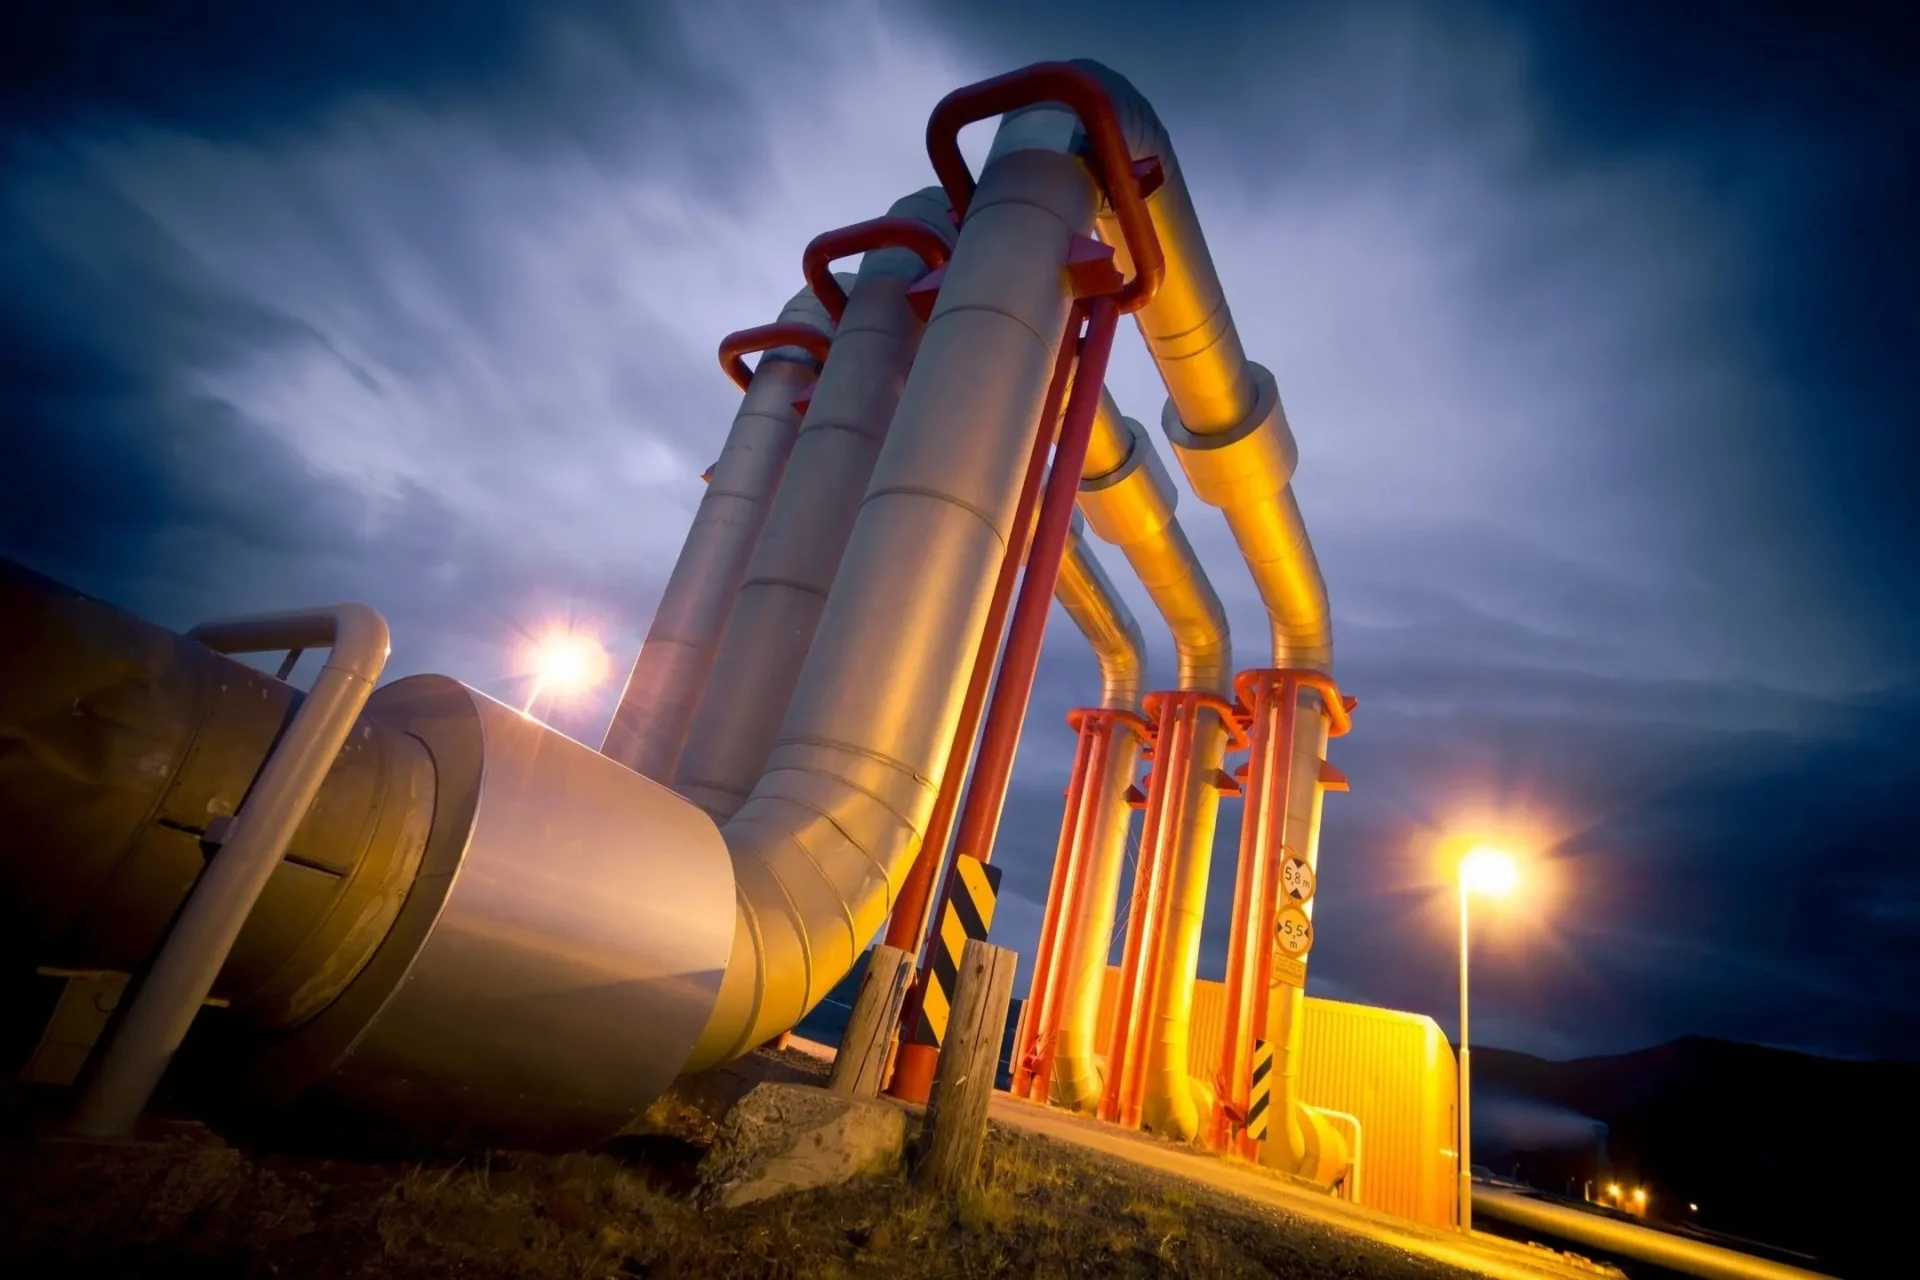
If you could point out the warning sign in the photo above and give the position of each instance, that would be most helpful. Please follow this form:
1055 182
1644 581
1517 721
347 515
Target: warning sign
1293 933
1288 972
1296 879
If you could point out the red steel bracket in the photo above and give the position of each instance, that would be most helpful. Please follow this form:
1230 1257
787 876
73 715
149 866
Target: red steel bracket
766 337
816 263
1122 180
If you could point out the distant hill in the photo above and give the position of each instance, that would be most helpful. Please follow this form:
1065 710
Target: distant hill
1814 1154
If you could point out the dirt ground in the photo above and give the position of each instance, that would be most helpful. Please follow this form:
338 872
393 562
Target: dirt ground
190 1205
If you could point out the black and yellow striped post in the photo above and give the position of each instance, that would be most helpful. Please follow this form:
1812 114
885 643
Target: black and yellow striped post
972 889
1260 1093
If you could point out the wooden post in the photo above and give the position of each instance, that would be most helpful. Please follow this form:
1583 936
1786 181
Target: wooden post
956 1126
860 1066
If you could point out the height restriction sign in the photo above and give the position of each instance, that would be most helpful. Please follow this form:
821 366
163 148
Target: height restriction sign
1296 879
1293 932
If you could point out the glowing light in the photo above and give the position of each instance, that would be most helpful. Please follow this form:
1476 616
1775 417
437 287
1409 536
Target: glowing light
1613 1189
1639 1195
564 663
1693 1208
1489 871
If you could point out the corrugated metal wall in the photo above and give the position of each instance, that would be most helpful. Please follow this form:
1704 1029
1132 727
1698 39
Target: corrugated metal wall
1392 1071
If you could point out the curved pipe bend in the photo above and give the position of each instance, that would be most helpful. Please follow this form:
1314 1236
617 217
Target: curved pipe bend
827 836
650 722
1224 420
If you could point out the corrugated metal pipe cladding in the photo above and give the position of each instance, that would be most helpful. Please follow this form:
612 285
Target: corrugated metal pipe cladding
823 842
1224 420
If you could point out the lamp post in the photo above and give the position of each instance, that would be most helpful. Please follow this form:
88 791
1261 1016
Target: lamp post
1491 872
565 662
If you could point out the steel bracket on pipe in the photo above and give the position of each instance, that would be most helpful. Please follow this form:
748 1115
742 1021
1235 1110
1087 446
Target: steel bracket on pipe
1090 269
745 342
924 292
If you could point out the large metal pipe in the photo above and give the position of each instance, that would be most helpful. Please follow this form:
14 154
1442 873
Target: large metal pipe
1086 929
1663 1249
830 830
1131 504
1224 419
166 999
649 726
773 619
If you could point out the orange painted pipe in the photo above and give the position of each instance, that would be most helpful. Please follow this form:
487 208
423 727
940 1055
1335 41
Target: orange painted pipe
1234 1078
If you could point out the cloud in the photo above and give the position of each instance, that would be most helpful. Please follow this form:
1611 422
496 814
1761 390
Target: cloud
1595 449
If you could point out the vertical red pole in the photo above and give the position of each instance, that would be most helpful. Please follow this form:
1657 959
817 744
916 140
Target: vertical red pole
1013 691
1096 730
1235 1067
1180 719
1268 902
913 1064
1141 904
1035 1028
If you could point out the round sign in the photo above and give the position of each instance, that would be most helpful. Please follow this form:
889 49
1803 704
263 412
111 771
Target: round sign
1293 932
1296 878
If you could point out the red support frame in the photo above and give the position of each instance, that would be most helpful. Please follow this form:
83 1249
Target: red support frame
1175 717
1125 183
736 346
816 263
1269 699
1034 1050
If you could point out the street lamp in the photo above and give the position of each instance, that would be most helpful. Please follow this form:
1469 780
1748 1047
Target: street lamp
1494 873
565 662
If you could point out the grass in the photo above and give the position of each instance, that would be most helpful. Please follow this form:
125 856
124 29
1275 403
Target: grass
1041 1209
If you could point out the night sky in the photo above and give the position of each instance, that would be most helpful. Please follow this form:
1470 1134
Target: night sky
1596 324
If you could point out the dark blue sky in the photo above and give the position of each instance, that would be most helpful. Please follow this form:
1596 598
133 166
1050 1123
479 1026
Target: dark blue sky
1595 322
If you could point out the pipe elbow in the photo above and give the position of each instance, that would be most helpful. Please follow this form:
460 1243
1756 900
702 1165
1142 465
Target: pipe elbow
1088 595
356 636
929 207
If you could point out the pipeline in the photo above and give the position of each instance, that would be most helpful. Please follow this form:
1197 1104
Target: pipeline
1663 1249
1131 504
1071 959
650 723
833 826
772 622
1224 420
554 901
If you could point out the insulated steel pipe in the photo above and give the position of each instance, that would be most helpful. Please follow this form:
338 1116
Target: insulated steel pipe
1078 921
772 622
166 999
1223 413
824 841
1224 419
649 726
1131 504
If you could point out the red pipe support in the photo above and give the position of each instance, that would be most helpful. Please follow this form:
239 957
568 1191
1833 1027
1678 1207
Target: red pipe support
1125 184
765 338
1036 1029
1256 892
912 1078
816 263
